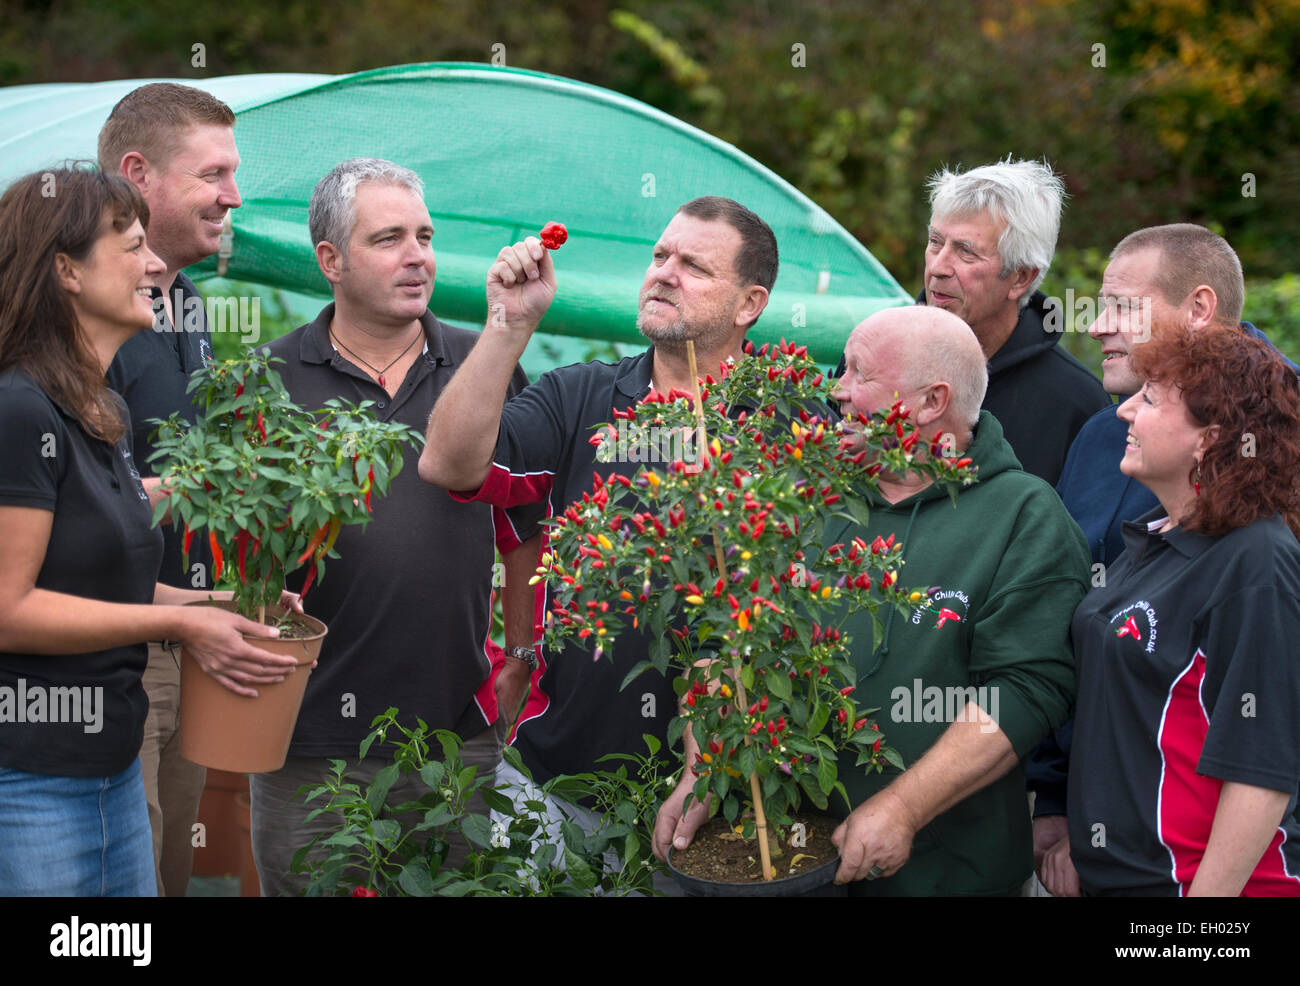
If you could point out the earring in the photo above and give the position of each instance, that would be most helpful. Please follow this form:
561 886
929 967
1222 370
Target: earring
1197 484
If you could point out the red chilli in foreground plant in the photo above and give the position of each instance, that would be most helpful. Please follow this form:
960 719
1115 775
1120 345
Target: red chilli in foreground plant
718 554
270 481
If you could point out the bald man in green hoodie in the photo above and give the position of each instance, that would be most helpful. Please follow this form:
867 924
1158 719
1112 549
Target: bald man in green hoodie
981 668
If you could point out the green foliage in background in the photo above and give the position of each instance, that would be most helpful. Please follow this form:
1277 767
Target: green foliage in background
1154 110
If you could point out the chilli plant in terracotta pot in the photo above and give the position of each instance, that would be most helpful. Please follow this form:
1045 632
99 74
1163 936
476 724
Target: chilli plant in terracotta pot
717 556
272 484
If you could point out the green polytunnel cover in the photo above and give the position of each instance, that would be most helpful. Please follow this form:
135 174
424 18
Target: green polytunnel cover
501 151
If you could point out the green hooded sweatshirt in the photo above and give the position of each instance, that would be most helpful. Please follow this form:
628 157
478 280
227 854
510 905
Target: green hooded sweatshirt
1010 566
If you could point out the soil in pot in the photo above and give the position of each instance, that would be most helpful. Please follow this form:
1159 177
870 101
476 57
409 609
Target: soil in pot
296 626
721 863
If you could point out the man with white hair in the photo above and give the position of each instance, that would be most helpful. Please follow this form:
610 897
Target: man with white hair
991 239
981 668
408 600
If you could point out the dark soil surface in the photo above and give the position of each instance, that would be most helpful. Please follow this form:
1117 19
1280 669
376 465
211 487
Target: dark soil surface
294 627
721 855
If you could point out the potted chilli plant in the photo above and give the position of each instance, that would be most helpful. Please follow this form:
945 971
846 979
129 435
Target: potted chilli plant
273 484
718 555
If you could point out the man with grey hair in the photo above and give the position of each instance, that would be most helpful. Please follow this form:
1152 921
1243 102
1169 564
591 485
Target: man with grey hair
408 600
991 238
990 639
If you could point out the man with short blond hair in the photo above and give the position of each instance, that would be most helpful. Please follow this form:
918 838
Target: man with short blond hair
176 144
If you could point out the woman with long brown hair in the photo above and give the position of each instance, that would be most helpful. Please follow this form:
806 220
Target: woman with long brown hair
79 556
1186 760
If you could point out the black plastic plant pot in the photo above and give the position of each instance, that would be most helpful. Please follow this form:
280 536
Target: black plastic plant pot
817 882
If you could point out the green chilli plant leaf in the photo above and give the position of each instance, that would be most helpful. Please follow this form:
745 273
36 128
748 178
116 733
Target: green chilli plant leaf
270 482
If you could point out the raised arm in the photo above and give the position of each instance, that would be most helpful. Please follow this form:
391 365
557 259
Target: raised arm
462 431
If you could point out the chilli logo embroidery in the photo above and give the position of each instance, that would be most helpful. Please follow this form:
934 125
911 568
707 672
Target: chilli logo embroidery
1137 621
1130 627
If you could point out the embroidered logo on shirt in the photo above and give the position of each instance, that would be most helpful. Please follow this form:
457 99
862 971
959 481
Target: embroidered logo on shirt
943 606
1138 622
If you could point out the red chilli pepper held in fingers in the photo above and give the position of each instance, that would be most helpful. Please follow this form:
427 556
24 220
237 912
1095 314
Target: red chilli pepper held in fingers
553 235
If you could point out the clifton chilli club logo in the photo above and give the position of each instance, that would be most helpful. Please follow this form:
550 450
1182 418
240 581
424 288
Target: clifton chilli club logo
944 606
1137 622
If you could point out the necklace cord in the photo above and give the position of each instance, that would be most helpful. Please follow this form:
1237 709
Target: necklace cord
374 369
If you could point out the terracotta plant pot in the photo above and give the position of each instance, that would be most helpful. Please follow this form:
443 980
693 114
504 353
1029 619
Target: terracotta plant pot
249 884
219 815
233 732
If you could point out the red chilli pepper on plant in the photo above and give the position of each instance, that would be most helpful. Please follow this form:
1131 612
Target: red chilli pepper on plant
216 555
306 582
241 540
314 543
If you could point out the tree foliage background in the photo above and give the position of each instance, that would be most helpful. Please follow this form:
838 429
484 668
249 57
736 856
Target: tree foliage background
1154 110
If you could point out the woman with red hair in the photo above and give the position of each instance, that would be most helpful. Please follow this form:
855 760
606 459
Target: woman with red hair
1186 759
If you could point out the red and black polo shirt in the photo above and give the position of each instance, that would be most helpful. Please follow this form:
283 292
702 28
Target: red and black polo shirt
577 711
1189 676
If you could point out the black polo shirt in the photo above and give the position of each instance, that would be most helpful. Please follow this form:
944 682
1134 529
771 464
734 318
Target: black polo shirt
576 712
102 546
1189 676
151 372
408 602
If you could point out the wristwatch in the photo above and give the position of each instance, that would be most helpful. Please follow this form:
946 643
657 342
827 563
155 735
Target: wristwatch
526 654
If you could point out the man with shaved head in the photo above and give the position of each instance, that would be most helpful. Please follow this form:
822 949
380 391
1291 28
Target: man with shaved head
980 668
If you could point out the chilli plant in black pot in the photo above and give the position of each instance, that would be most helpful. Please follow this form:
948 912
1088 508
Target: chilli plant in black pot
718 557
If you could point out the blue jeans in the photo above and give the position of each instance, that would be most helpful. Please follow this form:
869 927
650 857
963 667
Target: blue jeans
75 836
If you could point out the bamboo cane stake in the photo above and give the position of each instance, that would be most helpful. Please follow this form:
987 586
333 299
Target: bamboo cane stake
756 792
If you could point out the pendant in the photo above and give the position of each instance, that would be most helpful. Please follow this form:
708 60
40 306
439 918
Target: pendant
382 382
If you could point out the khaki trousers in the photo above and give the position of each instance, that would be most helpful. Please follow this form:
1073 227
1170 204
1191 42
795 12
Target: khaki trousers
172 785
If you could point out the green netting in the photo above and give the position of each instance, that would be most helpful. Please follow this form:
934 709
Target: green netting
501 151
